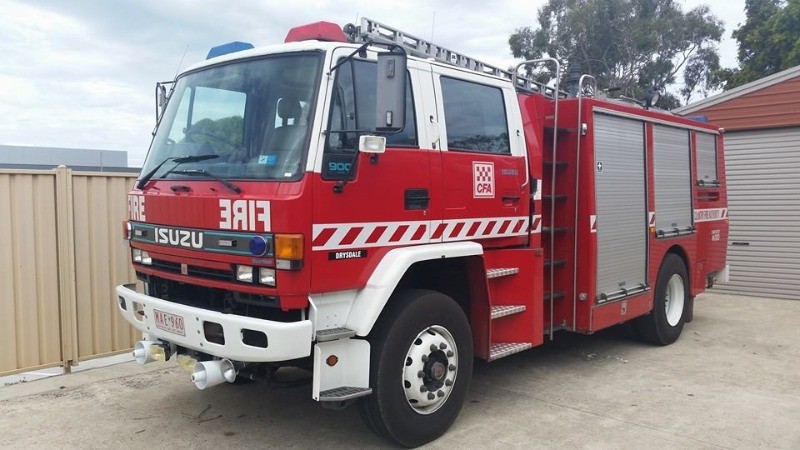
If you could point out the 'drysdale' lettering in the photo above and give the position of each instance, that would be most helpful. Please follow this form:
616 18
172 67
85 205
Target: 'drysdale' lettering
179 238
244 215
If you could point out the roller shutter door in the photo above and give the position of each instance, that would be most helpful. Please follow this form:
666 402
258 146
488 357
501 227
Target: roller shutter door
763 174
620 206
673 180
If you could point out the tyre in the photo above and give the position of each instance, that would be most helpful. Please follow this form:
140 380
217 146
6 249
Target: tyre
665 322
420 367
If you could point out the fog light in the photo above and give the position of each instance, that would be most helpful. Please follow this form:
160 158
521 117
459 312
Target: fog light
266 276
244 273
137 255
146 259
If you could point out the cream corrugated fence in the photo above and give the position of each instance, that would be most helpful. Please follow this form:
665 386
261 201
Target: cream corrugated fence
62 254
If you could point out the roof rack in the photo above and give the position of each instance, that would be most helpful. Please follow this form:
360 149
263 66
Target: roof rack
374 31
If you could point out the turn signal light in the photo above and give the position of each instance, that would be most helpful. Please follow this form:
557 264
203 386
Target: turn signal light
289 246
289 251
126 230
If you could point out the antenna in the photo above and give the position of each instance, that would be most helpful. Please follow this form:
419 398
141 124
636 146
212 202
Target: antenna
433 24
178 69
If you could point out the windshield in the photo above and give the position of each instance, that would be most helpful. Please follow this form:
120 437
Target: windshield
254 116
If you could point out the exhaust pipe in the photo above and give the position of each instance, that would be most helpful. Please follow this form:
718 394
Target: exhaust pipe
211 373
148 351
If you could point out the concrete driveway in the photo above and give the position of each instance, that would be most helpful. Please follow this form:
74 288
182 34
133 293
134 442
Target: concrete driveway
731 381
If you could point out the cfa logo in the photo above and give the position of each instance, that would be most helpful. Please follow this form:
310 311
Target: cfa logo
483 180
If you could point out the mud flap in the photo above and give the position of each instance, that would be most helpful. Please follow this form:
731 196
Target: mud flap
688 310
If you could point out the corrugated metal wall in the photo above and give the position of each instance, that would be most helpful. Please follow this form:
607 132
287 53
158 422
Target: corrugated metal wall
29 300
771 106
763 174
102 261
61 255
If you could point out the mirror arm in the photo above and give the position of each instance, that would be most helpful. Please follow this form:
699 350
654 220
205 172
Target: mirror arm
347 58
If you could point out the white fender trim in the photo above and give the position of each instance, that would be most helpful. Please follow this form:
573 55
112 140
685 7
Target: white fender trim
370 301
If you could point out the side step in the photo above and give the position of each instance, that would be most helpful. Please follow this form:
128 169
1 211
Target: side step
502 272
343 393
503 349
333 334
506 310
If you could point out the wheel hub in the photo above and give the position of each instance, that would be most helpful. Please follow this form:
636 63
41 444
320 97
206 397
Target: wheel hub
429 372
674 299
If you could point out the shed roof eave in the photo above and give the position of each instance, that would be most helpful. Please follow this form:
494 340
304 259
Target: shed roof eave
744 89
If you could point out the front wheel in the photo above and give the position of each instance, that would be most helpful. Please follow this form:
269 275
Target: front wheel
665 322
421 366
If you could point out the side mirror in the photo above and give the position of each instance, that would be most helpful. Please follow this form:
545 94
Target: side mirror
161 99
390 108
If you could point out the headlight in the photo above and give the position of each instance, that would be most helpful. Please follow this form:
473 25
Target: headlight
266 276
136 255
146 259
244 273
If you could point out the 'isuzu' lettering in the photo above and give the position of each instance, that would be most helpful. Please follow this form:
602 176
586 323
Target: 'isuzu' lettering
179 238
244 215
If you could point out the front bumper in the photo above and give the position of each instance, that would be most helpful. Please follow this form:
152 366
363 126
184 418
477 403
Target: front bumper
285 341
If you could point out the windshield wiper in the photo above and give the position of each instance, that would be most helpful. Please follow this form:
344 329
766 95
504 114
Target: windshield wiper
178 161
208 174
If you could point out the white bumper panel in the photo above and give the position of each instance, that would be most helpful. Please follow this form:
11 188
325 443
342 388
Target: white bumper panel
285 341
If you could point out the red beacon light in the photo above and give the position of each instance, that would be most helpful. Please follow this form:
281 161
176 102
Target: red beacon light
319 31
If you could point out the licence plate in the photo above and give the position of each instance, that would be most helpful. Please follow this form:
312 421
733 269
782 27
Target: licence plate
172 323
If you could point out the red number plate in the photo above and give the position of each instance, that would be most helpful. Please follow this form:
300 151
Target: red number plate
169 322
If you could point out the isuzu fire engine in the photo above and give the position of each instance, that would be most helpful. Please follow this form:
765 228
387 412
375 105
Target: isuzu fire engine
380 210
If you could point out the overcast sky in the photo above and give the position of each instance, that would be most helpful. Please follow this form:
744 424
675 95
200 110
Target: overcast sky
81 74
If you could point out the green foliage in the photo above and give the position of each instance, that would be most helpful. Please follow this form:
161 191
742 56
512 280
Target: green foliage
769 41
629 44
227 130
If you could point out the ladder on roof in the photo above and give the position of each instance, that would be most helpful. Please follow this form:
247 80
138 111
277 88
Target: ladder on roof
374 31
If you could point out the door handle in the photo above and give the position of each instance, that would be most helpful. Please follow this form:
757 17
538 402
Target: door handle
510 198
416 199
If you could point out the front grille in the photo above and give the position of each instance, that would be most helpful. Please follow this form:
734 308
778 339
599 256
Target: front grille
194 271
219 300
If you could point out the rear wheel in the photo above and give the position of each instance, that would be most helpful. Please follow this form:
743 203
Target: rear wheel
665 322
421 366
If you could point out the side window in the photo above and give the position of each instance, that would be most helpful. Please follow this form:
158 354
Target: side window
707 159
353 109
475 117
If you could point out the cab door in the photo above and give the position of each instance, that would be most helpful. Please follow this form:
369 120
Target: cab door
365 205
483 160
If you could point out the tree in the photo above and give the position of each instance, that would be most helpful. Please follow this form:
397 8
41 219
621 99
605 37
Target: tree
628 44
769 41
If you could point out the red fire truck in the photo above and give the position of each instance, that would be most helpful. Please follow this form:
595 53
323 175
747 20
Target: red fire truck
380 210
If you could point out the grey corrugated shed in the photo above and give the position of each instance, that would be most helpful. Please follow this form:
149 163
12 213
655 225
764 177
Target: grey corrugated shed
15 155
763 171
